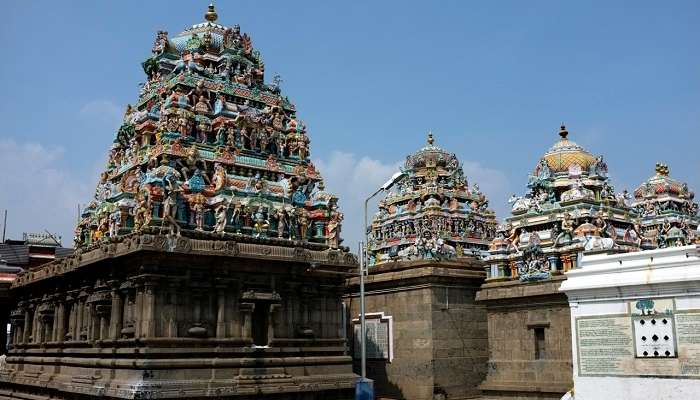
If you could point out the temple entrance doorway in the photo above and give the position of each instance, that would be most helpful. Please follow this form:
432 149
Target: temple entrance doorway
261 323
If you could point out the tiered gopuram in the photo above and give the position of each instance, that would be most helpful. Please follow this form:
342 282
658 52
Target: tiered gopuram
209 263
669 216
427 337
432 213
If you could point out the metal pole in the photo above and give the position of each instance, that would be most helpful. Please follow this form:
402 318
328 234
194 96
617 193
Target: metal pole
363 334
363 269
4 226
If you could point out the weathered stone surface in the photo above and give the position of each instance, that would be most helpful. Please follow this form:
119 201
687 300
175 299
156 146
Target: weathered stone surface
194 321
440 338
514 311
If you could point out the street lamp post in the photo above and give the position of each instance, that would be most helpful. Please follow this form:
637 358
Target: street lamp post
361 393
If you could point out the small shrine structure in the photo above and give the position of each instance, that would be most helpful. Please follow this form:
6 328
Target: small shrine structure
669 214
570 207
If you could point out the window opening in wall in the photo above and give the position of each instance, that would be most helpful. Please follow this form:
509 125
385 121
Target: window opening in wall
539 343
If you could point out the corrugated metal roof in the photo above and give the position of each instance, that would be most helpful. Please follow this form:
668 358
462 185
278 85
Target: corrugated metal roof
14 254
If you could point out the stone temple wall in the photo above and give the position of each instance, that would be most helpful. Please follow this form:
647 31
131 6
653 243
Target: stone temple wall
529 341
439 343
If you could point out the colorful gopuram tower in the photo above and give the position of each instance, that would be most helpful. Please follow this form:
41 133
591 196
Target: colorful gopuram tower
426 335
570 208
669 216
209 264
432 213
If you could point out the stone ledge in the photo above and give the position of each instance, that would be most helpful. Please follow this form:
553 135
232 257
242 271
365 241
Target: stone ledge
182 245
516 289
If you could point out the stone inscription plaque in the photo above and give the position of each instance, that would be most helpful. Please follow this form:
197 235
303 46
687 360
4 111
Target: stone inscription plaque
606 347
604 344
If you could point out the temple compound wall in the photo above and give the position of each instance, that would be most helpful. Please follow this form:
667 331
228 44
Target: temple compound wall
529 340
635 324
436 339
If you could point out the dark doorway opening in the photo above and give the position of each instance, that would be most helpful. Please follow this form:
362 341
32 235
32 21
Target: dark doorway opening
261 316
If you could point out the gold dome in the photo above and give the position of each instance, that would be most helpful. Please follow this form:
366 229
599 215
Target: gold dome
566 153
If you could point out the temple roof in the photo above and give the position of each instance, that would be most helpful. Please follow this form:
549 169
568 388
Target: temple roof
210 150
662 185
432 213
564 153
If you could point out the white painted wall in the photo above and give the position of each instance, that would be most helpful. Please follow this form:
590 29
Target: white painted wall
604 284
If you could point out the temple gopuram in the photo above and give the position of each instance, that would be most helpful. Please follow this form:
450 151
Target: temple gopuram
209 264
669 216
570 208
426 335
432 214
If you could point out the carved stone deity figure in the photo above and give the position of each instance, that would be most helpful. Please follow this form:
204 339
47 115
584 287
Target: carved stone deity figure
220 216
303 220
198 210
260 224
602 226
142 214
334 223
115 221
281 217
237 217
567 229
202 106
170 204
219 177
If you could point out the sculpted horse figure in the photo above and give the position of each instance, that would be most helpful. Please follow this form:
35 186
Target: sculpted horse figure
598 243
520 203
445 250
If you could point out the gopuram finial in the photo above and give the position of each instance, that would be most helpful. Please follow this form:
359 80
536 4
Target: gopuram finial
563 132
211 14
661 169
430 138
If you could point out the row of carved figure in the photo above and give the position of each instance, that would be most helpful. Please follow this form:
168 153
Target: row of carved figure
225 68
288 222
438 225
411 206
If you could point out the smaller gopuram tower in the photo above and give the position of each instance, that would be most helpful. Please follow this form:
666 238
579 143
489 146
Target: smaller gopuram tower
209 263
432 213
570 208
426 335
669 216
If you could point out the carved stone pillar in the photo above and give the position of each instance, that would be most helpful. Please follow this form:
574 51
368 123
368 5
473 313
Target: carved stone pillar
117 312
60 323
221 314
28 321
149 309
247 318
70 305
274 312
102 313
138 310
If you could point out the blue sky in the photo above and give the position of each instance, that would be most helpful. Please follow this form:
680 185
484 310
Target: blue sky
493 80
